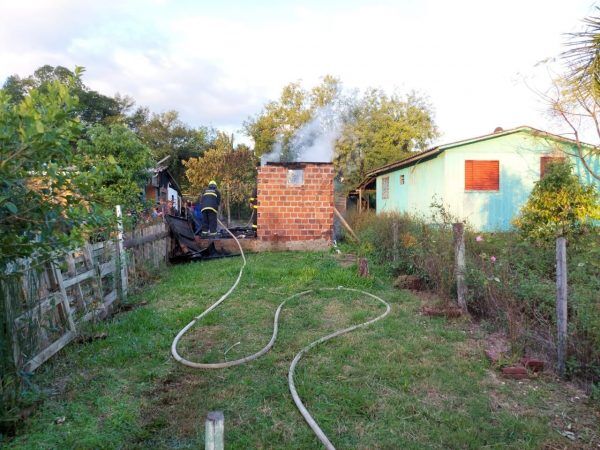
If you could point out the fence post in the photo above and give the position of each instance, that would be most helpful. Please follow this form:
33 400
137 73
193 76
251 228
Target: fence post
121 253
395 239
459 264
214 438
561 302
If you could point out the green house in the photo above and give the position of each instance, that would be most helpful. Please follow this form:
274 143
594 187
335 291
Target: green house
483 181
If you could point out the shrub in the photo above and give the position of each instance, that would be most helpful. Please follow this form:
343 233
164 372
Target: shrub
511 282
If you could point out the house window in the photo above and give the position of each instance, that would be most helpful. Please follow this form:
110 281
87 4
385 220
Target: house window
482 175
401 179
295 177
545 161
385 188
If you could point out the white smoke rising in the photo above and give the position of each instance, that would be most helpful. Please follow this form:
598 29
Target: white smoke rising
313 142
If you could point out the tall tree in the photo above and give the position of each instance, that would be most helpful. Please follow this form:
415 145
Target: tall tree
583 55
382 129
574 97
370 130
281 119
92 107
232 167
167 135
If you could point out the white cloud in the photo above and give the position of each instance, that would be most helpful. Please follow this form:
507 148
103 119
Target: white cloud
218 64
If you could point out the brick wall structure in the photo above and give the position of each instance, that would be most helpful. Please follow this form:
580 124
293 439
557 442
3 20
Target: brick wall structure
294 212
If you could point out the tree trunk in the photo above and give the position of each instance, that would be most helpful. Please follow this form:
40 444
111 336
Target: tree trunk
561 302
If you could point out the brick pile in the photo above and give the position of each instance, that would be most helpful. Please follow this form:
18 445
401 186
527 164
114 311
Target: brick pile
288 212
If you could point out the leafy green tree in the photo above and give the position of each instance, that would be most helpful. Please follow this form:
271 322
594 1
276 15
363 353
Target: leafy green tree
233 168
92 107
280 120
374 129
113 164
382 129
559 205
40 208
166 135
583 55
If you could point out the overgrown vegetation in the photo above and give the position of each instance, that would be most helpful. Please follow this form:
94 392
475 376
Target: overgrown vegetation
511 282
406 382
559 205
60 181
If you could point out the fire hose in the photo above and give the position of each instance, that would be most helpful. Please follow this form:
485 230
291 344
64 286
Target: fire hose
221 365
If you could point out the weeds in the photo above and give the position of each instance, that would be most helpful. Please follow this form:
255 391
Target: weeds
510 281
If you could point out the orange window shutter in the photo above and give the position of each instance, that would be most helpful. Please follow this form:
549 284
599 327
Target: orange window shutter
482 175
545 161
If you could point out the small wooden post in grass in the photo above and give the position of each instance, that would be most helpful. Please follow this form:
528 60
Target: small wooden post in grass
561 302
395 255
363 267
459 264
214 435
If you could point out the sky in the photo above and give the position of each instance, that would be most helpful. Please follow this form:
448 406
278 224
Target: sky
218 62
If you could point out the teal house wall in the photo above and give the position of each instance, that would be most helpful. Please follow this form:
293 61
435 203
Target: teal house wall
439 174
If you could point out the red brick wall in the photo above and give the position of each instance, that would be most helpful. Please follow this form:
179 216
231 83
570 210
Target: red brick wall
295 213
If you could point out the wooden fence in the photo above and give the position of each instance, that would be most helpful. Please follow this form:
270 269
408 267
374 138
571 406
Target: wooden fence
56 299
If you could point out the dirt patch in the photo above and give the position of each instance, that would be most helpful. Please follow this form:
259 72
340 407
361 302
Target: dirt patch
435 306
166 411
201 340
566 408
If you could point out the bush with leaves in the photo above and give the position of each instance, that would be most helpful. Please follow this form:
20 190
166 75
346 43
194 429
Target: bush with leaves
559 205
233 168
59 182
510 281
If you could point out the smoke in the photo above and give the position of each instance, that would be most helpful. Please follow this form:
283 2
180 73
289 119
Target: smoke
313 142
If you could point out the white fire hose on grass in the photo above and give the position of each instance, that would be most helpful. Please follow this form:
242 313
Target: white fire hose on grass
309 419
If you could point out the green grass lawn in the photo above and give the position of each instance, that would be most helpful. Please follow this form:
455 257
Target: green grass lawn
407 381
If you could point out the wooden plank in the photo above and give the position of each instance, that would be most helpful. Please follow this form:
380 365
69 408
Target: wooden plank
214 435
145 239
97 245
459 264
561 302
79 278
48 352
121 254
65 300
107 267
43 306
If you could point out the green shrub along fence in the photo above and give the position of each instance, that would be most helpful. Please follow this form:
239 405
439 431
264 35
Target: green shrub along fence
510 282
44 307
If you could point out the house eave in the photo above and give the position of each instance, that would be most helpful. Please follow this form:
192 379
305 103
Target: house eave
435 151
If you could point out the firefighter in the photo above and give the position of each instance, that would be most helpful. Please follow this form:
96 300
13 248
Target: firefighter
211 199
254 206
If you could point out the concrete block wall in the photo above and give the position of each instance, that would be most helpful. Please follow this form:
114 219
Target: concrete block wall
288 212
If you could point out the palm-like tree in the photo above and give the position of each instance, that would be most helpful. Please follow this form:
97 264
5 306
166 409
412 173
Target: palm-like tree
583 54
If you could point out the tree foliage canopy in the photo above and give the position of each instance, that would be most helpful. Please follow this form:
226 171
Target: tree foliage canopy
92 107
383 128
281 119
167 135
58 177
559 205
233 168
374 128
